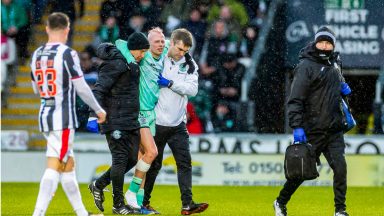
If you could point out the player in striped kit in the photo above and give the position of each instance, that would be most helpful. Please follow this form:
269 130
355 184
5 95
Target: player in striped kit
57 77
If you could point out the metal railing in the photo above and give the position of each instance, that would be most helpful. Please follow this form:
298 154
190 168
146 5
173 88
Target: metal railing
259 49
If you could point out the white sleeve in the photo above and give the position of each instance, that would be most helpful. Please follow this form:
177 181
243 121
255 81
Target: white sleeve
85 93
189 86
34 84
35 88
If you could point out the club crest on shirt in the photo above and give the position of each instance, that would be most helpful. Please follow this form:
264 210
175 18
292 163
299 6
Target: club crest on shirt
183 68
116 134
142 119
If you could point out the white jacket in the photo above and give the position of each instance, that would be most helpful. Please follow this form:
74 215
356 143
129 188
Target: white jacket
172 105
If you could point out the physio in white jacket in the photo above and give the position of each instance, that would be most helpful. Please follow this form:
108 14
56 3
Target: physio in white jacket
178 80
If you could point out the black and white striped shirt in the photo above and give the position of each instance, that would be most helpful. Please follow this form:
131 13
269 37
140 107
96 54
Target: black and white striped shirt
57 76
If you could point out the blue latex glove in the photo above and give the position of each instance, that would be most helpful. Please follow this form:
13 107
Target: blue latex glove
163 82
345 89
92 125
299 135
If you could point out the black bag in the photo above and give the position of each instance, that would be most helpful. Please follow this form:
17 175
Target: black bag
300 162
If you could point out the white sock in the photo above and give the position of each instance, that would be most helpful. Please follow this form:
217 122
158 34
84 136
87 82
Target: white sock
71 189
131 199
48 186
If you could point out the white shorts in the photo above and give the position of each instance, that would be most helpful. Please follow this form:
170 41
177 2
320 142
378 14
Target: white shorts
60 144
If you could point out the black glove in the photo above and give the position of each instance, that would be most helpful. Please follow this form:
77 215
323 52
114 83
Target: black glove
336 58
189 62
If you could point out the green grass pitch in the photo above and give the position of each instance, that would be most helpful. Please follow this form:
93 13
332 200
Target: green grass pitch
20 198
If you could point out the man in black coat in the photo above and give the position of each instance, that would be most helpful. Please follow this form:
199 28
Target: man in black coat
315 114
117 90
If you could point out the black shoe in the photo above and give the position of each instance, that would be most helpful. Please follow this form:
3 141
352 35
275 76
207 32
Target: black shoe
123 210
98 195
341 213
193 208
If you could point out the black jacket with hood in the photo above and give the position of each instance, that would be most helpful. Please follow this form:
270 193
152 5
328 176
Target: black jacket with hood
315 100
117 89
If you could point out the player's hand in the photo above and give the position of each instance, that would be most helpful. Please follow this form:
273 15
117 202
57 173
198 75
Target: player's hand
345 89
164 82
101 116
92 125
299 135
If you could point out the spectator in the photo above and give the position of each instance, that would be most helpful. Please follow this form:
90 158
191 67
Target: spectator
90 75
233 25
39 8
173 13
112 8
14 24
194 124
260 15
203 105
224 118
251 7
135 24
215 47
233 14
146 9
197 27
230 76
69 8
28 6
107 32
89 68
8 56
247 44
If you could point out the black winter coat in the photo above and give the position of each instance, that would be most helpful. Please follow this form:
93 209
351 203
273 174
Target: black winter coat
117 89
314 102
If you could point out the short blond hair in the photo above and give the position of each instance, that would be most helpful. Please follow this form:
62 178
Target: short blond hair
155 30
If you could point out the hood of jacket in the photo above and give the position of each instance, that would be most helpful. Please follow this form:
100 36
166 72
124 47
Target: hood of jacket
108 51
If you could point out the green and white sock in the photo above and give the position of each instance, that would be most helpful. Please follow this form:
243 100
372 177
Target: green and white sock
135 184
140 197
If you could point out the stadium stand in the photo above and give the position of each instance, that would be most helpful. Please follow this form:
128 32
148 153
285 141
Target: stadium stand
22 105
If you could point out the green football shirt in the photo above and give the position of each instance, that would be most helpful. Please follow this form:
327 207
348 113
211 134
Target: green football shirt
150 69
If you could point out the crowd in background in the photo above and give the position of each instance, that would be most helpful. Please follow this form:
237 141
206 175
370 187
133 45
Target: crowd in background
223 32
17 19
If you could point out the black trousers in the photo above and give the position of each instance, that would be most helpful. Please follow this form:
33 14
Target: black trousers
332 146
178 140
124 147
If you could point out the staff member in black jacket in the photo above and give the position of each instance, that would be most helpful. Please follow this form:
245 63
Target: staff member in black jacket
315 114
117 90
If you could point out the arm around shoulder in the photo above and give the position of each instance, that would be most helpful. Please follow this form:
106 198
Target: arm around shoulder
190 84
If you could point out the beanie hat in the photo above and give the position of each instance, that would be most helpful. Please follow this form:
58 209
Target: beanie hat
138 41
325 34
